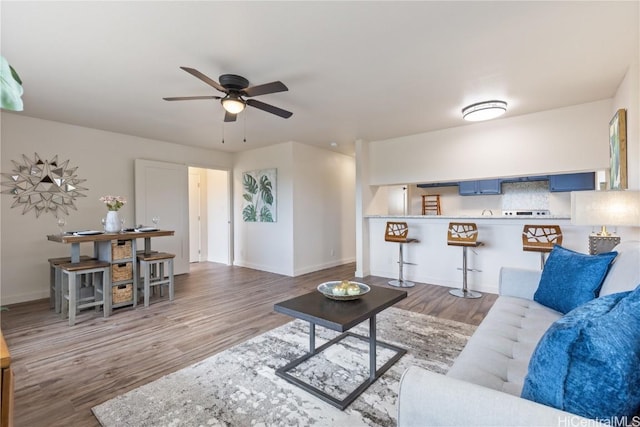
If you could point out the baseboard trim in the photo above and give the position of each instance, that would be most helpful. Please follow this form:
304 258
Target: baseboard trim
317 267
16 299
259 267
481 287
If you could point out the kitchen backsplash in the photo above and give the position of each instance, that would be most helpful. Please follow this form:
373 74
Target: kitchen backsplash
525 196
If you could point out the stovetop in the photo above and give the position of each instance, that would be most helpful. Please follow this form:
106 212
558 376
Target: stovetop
526 212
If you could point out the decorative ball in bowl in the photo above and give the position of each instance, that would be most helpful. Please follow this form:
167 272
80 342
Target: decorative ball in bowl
343 290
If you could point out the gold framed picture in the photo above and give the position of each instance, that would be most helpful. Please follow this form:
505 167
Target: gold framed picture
618 151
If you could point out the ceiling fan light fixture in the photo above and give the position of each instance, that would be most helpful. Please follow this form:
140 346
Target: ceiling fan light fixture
233 104
485 110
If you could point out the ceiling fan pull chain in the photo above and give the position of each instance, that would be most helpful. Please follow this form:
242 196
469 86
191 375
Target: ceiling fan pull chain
223 132
245 128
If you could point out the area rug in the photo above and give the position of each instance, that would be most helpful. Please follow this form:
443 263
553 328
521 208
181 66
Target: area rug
238 387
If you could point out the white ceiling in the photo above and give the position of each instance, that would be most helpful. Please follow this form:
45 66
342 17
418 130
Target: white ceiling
355 70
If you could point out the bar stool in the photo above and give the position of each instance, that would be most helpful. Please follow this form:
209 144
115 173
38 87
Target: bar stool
72 274
55 280
541 238
152 273
464 234
397 232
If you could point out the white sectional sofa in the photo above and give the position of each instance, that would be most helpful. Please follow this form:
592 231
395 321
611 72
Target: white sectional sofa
483 386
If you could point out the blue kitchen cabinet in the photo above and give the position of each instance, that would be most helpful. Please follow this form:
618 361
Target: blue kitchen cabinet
467 188
572 182
475 188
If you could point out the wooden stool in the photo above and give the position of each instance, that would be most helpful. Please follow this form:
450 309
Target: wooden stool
431 204
55 280
464 234
152 273
541 238
71 272
141 252
397 232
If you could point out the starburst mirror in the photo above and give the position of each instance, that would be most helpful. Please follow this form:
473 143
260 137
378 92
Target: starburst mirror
43 185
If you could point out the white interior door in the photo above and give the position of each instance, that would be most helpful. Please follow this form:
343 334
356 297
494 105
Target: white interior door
162 189
218 217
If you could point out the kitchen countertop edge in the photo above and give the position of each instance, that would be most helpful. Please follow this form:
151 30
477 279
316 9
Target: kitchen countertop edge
528 218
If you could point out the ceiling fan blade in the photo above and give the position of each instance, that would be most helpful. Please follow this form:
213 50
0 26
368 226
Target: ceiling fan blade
264 89
204 78
269 108
228 117
189 98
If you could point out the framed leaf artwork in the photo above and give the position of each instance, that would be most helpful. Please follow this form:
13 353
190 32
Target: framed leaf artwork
618 151
259 196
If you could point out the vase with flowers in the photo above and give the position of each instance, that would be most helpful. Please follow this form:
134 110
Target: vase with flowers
112 221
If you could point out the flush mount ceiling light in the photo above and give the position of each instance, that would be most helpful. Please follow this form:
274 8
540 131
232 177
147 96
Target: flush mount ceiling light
232 104
486 110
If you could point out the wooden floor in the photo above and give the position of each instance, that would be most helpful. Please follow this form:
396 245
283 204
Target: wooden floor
62 371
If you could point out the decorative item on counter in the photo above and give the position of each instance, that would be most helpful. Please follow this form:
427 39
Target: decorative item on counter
602 209
43 185
112 223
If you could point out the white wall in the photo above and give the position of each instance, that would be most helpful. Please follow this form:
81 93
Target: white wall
263 245
315 227
104 159
324 208
570 139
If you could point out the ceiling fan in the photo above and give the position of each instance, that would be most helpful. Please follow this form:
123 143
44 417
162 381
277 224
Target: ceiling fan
236 89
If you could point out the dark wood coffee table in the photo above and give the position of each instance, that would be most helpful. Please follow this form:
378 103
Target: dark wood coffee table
341 316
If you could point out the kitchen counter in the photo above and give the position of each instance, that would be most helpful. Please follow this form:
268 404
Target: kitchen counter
437 263
474 217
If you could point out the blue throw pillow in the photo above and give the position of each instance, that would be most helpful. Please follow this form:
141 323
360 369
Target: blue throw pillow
587 362
569 279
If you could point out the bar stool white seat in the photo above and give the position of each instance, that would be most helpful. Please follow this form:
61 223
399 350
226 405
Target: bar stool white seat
72 274
541 238
464 234
397 232
152 271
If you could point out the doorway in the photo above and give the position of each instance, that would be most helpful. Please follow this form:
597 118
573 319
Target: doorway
209 216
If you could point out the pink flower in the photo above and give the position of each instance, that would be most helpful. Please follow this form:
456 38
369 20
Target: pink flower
113 203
